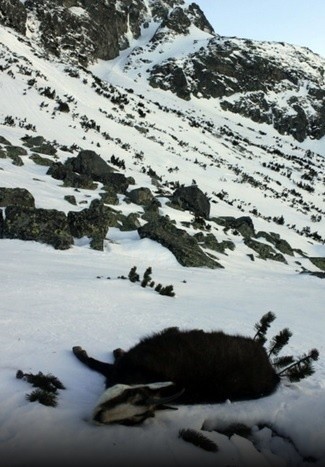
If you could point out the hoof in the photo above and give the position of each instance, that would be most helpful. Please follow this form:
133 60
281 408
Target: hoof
79 351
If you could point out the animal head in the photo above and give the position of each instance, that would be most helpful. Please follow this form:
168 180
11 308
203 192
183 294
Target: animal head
131 405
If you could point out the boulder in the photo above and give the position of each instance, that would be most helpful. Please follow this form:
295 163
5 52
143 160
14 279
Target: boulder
185 247
89 163
16 197
4 141
109 196
32 141
94 221
141 196
264 251
118 182
210 241
282 245
14 151
65 173
319 262
244 225
191 198
41 225
39 160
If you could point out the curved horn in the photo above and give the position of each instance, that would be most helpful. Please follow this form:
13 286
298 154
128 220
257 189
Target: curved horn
165 400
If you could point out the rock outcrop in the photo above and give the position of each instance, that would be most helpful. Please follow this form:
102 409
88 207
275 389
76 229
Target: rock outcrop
41 225
185 247
193 199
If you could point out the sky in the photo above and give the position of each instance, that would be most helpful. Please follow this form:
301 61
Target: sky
299 22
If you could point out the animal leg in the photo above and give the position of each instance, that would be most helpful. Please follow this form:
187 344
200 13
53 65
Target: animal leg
92 363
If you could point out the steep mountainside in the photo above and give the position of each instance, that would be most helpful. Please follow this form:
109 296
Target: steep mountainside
271 83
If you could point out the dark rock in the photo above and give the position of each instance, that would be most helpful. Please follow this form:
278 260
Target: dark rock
71 199
282 245
13 14
106 25
141 196
17 160
14 151
130 222
4 141
16 197
185 247
65 173
31 141
264 251
177 21
63 107
193 199
39 160
118 182
210 241
151 209
244 225
1 224
319 274
94 221
89 163
109 196
45 148
319 262
240 69
41 225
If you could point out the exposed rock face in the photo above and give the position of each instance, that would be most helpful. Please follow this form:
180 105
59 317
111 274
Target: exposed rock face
13 14
210 241
282 245
42 225
193 199
141 196
265 82
87 167
91 164
264 251
178 241
65 173
16 197
251 79
318 262
244 225
94 222
84 30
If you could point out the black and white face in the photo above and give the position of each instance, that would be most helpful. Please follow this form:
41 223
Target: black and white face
131 405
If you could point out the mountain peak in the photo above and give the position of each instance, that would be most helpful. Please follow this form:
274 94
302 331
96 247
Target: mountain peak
83 31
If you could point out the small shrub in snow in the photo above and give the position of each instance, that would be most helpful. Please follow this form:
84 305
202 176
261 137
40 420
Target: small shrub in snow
292 368
47 387
134 277
43 397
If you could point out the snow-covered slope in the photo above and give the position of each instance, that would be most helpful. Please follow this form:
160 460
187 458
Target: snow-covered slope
52 300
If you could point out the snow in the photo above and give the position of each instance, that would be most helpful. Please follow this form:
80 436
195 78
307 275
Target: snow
52 300
78 11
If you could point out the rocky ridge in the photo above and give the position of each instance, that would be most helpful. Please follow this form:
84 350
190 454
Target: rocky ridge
273 83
